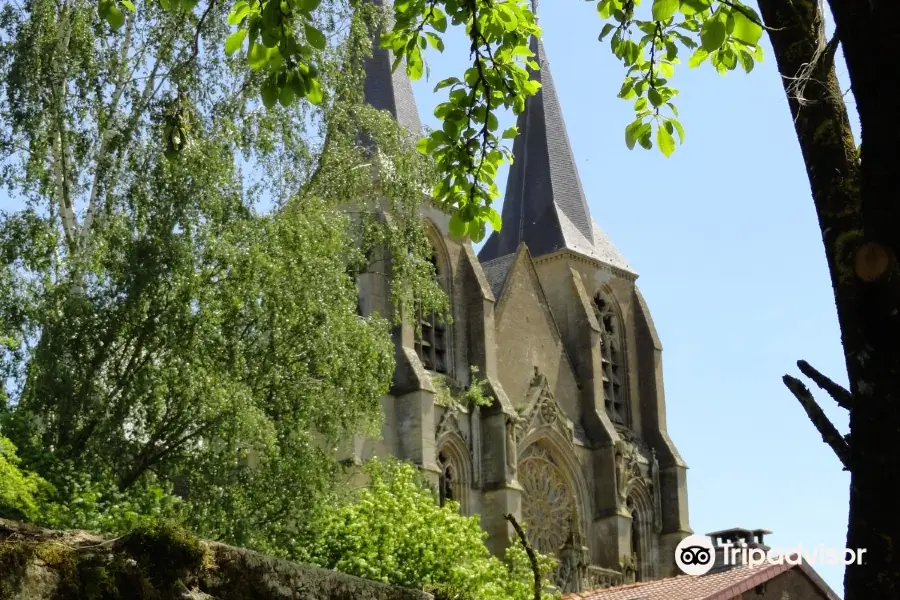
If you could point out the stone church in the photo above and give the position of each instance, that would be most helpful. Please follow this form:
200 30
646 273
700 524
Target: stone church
575 442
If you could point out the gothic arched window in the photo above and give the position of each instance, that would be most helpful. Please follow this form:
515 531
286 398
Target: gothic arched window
432 333
612 356
455 472
447 479
636 539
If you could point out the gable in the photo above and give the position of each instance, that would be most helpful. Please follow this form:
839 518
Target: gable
528 338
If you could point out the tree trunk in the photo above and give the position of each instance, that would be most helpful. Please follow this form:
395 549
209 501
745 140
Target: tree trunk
858 206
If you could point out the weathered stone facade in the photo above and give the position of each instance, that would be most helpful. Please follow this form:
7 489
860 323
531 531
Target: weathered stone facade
575 443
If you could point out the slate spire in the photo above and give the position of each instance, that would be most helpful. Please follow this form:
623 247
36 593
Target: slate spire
390 91
545 205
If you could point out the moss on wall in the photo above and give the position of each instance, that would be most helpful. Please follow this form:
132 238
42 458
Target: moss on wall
162 563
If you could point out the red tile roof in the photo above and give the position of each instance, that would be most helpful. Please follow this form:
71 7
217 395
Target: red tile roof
724 585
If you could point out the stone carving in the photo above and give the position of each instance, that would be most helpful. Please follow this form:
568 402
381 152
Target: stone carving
571 575
633 439
542 410
627 471
547 502
628 564
448 424
599 578
512 453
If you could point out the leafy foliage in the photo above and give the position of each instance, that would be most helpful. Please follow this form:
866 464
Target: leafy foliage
178 300
20 491
447 393
724 32
393 530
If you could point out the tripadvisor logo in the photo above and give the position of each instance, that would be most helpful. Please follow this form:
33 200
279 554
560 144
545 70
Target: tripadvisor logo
695 555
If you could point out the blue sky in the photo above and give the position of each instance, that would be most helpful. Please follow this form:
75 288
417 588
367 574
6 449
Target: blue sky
725 239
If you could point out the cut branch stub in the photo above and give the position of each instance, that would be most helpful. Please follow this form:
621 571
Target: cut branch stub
830 434
843 397
872 262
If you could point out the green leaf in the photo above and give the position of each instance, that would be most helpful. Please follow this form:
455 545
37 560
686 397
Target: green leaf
605 31
758 53
654 96
665 141
747 29
663 10
692 7
129 5
506 15
511 133
447 83
712 35
666 69
627 90
165 4
697 58
258 56
269 93
476 231
457 225
315 37
314 91
238 13
645 142
115 18
746 60
494 218
235 41
678 128
286 95
671 51
631 133
438 20
435 41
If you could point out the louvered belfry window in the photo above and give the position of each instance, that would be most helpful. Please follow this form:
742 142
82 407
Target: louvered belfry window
613 372
431 336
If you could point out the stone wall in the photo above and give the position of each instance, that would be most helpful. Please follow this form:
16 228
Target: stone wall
162 564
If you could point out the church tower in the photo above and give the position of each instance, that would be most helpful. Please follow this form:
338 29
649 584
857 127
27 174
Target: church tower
638 480
575 443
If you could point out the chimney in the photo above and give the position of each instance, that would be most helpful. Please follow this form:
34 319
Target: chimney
733 546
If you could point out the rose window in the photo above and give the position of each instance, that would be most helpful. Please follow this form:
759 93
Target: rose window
547 504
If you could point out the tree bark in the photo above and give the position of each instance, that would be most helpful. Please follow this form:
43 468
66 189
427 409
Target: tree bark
856 198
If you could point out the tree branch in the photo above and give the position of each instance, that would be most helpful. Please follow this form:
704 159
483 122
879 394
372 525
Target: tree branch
535 568
747 13
830 434
843 397
107 130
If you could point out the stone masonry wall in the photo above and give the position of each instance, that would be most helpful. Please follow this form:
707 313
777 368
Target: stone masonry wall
163 564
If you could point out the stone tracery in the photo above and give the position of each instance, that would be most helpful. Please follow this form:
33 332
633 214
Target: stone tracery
548 501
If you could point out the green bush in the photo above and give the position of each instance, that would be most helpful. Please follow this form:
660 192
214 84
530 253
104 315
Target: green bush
393 530
20 491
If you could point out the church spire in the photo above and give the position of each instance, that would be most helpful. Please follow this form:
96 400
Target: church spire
545 205
390 91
